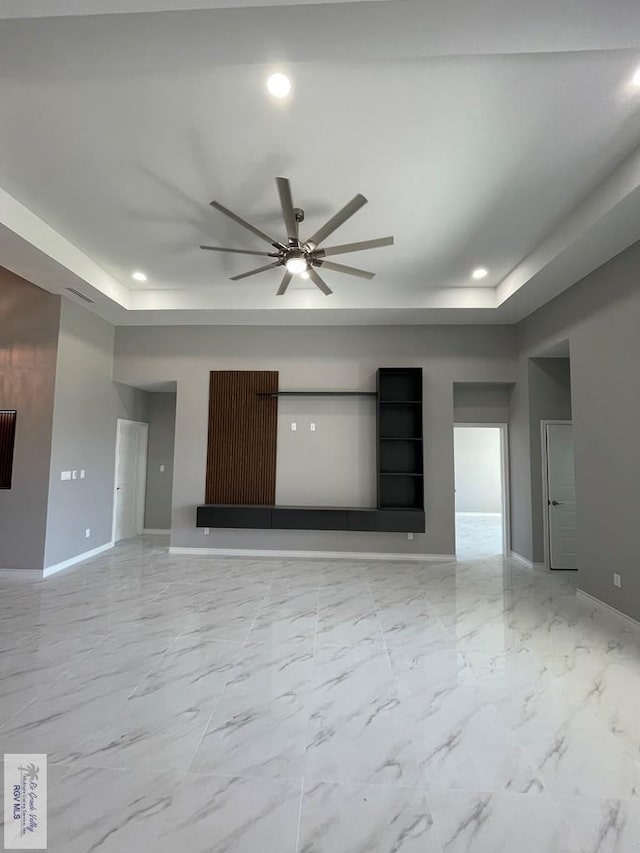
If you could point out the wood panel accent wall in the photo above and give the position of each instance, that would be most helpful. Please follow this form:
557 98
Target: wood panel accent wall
7 439
241 449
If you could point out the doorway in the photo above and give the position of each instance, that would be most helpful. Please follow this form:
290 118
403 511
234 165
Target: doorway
130 479
559 496
481 490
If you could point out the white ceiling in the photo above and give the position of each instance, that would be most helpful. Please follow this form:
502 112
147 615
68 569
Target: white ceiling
520 155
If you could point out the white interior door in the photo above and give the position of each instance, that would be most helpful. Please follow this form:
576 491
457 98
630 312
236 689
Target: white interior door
561 491
131 463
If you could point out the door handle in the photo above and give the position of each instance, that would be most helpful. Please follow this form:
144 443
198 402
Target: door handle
555 503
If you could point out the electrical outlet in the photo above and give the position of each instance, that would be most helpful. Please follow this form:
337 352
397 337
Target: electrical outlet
206 531
312 427
409 535
617 580
65 475
294 426
87 533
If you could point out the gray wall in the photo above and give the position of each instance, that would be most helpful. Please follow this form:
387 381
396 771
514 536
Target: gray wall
161 415
600 317
317 357
28 341
481 403
87 405
335 465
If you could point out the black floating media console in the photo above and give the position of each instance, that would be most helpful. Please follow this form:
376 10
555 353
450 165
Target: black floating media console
399 460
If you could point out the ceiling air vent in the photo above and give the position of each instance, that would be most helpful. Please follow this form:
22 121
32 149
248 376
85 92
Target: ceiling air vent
79 295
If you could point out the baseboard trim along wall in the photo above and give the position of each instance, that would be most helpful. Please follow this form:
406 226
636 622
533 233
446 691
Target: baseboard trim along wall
523 560
157 531
580 593
86 555
314 555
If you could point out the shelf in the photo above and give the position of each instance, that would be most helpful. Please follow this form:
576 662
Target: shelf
317 394
399 474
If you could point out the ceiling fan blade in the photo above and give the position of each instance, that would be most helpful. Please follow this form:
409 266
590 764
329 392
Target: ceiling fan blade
254 272
336 221
245 224
240 251
284 284
319 283
286 201
354 247
348 270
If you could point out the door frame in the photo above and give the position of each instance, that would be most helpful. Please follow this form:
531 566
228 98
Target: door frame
504 477
142 472
545 485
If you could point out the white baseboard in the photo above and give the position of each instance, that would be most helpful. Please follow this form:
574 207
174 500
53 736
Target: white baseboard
523 561
79 558
157 531
580 593
313 555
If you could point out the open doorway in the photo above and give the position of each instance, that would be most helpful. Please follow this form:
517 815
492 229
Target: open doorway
481 490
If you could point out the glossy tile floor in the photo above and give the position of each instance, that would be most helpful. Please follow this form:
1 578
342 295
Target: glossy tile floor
263 706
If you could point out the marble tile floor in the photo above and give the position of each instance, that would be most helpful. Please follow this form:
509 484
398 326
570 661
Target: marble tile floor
288 706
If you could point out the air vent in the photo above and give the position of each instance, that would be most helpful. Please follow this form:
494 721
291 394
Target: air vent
79 295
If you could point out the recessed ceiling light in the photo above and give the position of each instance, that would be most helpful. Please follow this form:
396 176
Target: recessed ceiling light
479 273
139 276
279 85
635 80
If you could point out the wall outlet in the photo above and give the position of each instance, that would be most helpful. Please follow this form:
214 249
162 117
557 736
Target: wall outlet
312 427
87 533
162 469
65 475
409 535
294 426
617 580
206 531
82 473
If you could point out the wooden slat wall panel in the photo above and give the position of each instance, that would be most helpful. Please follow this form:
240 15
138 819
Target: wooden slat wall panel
241 452
7 438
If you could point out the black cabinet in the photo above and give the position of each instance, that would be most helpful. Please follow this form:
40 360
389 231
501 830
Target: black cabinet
399 439
232 515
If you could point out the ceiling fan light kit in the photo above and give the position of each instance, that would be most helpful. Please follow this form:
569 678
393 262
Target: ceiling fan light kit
302 257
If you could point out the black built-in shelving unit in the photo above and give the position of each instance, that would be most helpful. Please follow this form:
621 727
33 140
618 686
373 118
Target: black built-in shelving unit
399 438
400 506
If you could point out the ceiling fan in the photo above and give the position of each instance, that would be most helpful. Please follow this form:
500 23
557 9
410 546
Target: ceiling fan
302 257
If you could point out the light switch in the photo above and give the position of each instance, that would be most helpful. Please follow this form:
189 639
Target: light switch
74 475
294 426
312 427
87 533
162 469
65 475
82 473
